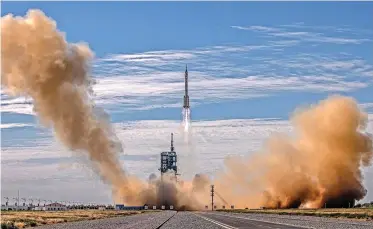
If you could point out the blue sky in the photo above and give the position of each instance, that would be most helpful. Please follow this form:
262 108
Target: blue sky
139 27
339 32
246 60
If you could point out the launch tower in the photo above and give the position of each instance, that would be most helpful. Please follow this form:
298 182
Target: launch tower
169 159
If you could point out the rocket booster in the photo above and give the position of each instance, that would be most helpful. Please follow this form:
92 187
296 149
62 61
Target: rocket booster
186 96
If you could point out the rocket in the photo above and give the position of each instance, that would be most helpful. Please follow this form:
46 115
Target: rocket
186 96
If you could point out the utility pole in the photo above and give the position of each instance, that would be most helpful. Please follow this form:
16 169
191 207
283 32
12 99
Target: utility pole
162 192
212 197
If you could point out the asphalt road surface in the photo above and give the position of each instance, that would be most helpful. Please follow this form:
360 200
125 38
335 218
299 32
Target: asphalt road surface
225 221
213 220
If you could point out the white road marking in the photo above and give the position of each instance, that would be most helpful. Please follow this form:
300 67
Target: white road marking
238 217
223 225
264 226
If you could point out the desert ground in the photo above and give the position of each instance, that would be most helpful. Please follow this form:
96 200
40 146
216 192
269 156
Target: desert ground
23 219
350 213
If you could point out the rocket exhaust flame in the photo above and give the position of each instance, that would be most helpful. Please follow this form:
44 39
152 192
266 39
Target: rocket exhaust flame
186 119
321 164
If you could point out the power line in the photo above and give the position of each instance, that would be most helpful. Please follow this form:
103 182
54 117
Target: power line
221 198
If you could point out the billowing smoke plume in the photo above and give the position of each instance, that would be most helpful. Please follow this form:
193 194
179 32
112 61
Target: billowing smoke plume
319 165
166 190
38 62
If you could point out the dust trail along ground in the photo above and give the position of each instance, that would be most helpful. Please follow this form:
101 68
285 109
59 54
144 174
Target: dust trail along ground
320 164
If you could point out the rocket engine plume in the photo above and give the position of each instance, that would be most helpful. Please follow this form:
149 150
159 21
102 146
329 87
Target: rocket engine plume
38 62
186 119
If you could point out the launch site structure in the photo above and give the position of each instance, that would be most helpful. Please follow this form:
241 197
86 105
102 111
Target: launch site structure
168 163
169 160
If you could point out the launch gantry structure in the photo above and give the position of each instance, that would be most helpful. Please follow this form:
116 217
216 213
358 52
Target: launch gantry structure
169 160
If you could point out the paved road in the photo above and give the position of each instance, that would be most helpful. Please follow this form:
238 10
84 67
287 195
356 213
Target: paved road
232 222
286 221
213 220
199 220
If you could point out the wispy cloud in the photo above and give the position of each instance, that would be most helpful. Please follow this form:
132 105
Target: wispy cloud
367 107
219 73
13 125
325 63
164 90
151 57
154 79
216 74
20 105
18 108
316 34
337 29
256 28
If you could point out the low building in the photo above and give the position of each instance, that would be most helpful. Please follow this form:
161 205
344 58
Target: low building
122 207
55 207
14 208
38 208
